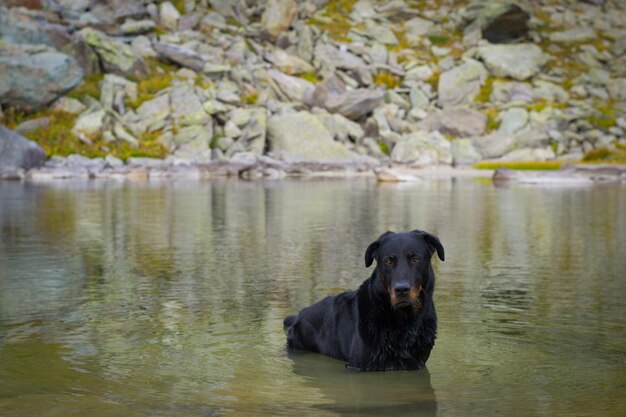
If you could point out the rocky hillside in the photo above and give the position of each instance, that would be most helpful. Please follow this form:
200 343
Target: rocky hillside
335 82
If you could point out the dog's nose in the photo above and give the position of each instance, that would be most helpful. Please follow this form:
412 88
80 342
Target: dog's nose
401 289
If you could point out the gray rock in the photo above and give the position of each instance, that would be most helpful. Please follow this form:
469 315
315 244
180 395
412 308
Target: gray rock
416 29
355 104
463 122
380 33
341 128
498 21
617 89
253 135
187 108
68 105
583 34
304 47
90 124
529 154
152 115
550 92
168 15
18 152
115 56
32 124
514 120
137 27
287 63
278 16
330 57
24 26
180 55
518 61
114 90
293 88
495 144
31 77
422 149
143 47
511 92
464 152
461 85
419 73
302 137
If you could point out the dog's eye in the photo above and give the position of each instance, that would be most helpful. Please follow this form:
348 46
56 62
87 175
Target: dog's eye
415 260
389 260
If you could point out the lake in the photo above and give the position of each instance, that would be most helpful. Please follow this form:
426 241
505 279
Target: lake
167 298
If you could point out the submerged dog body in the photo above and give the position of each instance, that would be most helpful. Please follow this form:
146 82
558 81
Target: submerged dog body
390 321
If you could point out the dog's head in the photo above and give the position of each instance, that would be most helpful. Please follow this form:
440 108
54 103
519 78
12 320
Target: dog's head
403 264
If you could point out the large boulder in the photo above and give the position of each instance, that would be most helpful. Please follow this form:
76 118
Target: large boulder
461 84
179 54
18 152
33 76
20 25
518 61
355 104
302 137
463 122
115 56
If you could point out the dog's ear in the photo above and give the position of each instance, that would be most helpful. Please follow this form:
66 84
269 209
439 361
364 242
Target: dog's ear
370 253
433 243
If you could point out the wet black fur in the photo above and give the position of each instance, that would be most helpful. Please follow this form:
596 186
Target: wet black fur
361 327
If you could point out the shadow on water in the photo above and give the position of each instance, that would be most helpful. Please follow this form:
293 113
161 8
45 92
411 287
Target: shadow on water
397 393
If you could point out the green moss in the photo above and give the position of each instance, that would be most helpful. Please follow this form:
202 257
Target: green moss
439 40
387 79
521 165
251 98
384 148
492 123
179 5
605 116
485 91
606 156
89 87
336 22
149 87
311 77
214 141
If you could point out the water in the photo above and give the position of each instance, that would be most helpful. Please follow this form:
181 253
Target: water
167 299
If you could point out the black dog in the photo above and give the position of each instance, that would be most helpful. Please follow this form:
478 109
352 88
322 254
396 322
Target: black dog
389 322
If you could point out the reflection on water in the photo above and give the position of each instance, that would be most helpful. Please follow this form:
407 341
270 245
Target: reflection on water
167 299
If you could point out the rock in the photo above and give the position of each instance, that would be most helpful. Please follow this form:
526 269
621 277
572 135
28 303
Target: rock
18 152
68 105
328 91
380 33
330 57
114 90
179 54
152 115
463 122
576 35
514 120
24 26
168 15
115 56
89 124
617 89
461 85
136 27
518 61
143 47
511 92
31 77
289 64
495 144
253 135
421 149
294 88
416 29
278 16
301 137
498 21
419 73
464 152
341 128
228 92
529 154
304 47
394 175
355 104
186 106
549 92
32 124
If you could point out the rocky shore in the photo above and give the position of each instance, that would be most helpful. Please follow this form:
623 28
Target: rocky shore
197 88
